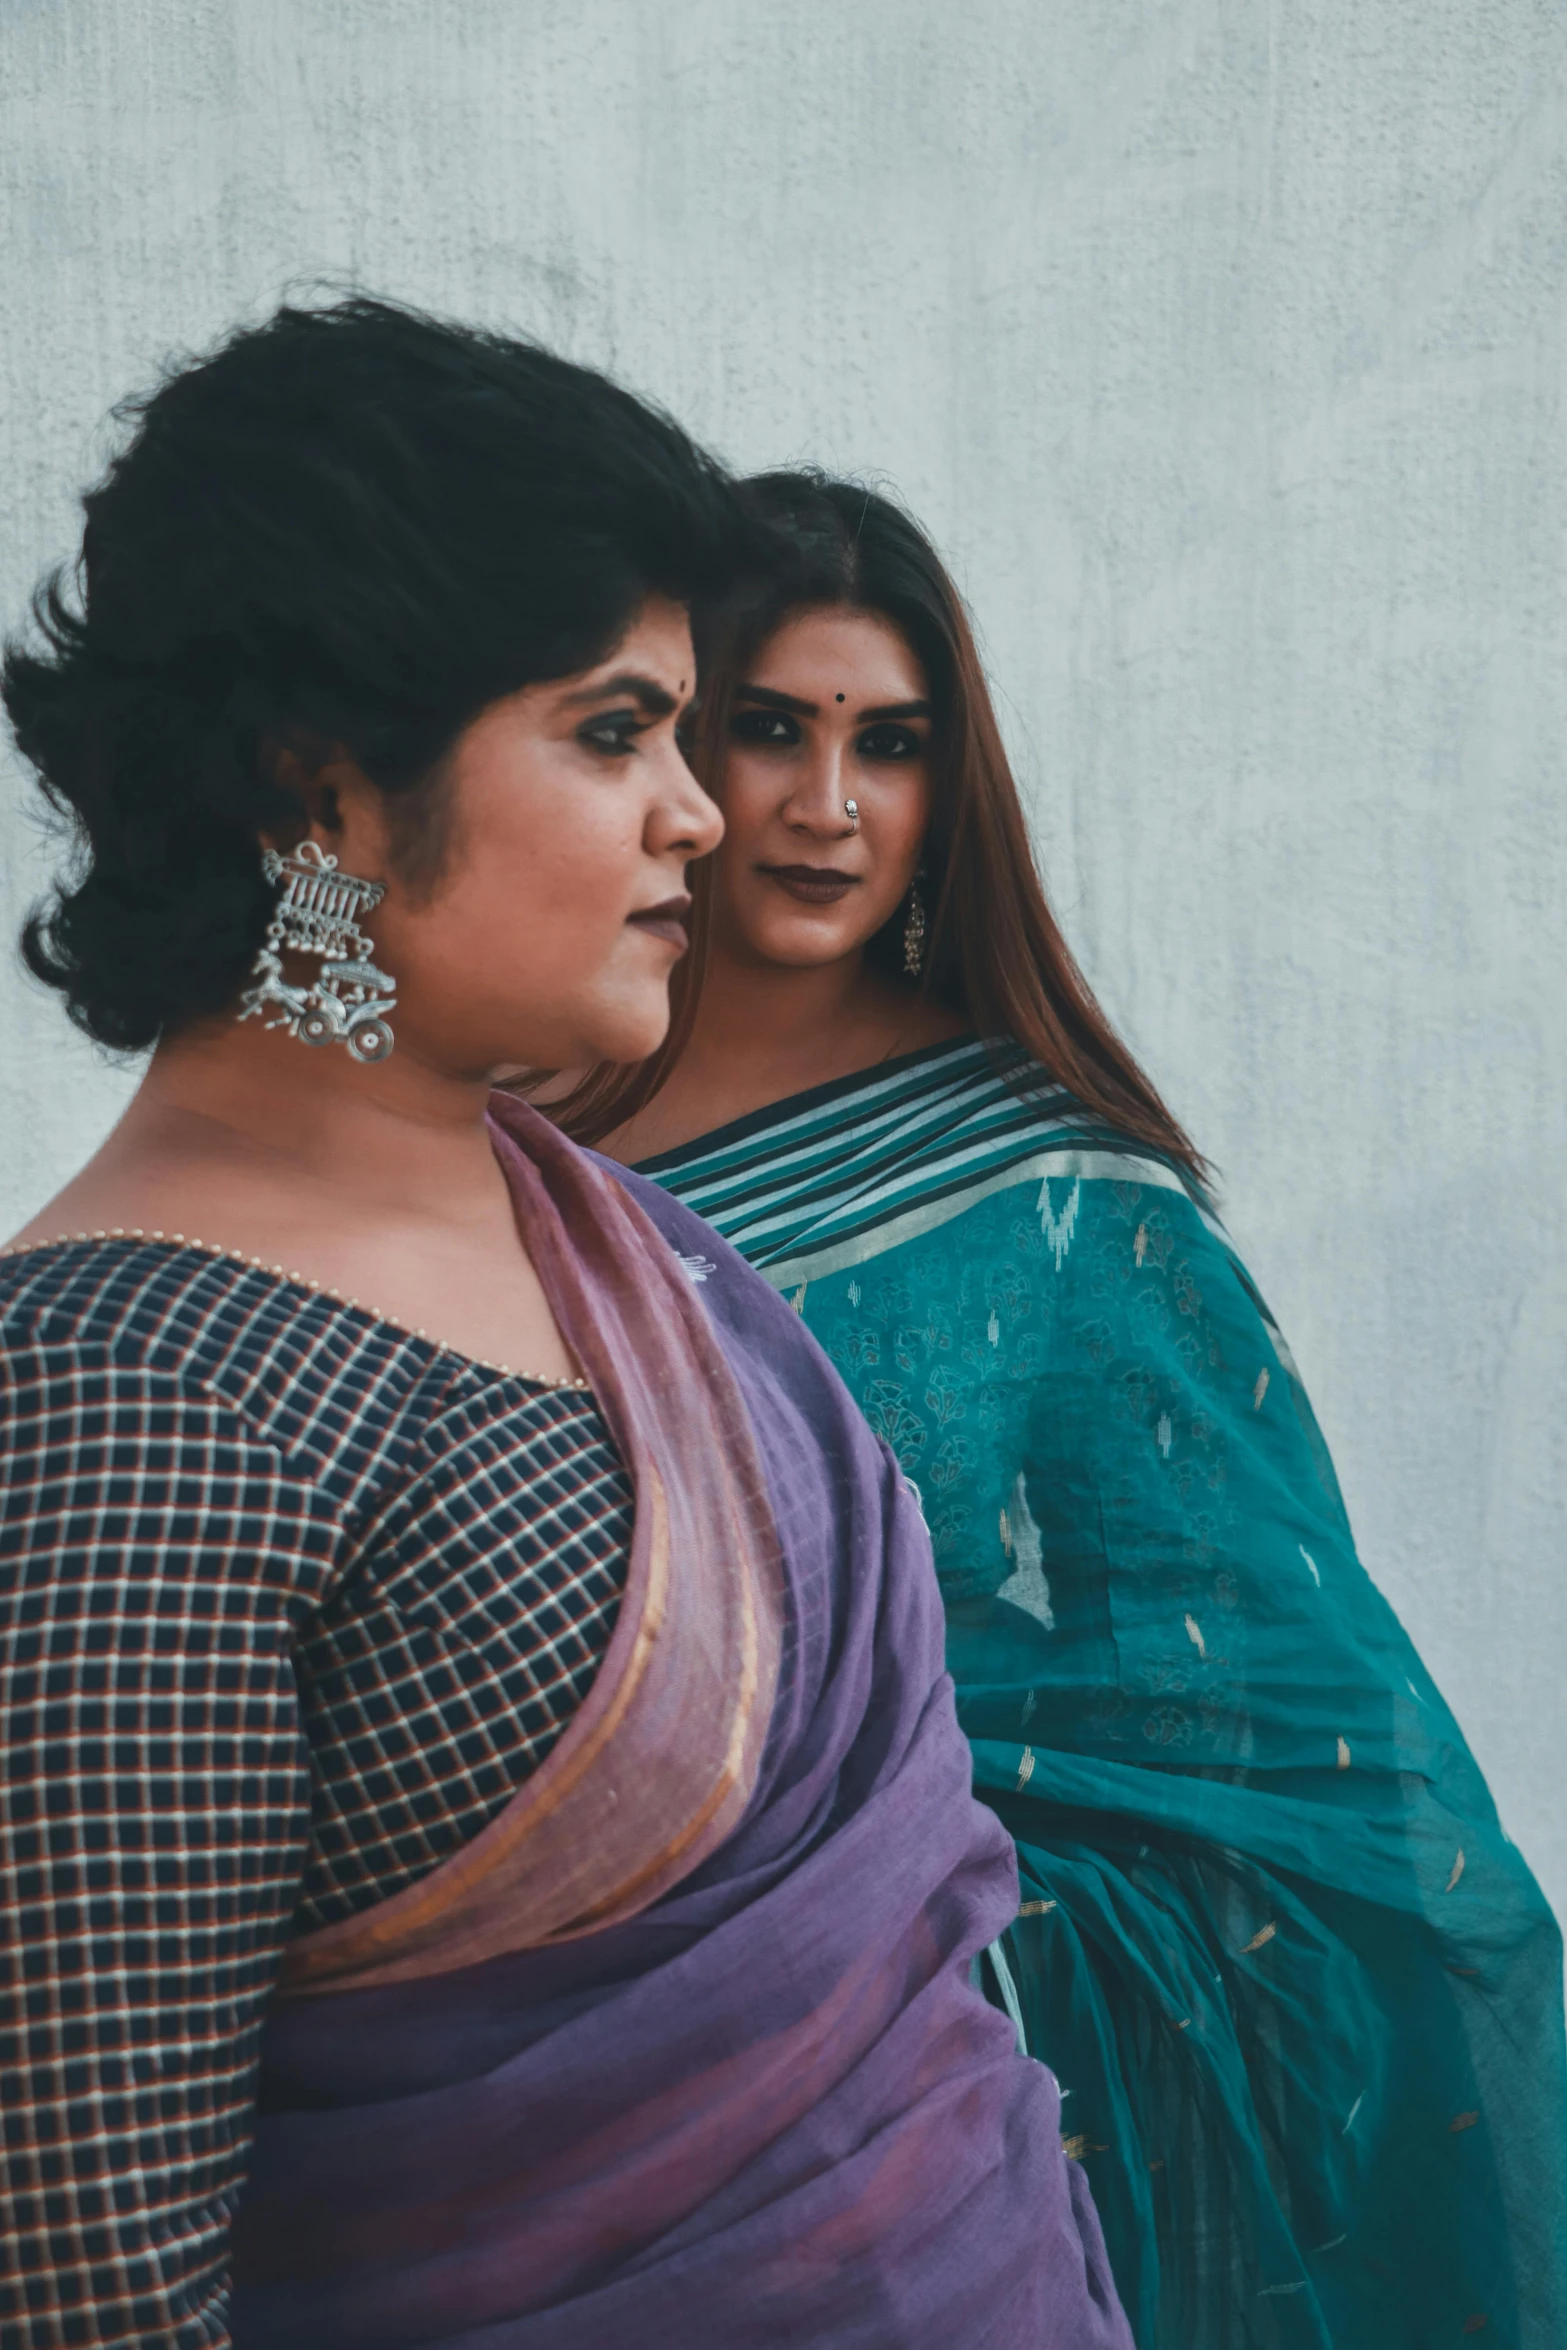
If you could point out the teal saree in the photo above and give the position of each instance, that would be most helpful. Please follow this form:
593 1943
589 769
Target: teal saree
1302 1995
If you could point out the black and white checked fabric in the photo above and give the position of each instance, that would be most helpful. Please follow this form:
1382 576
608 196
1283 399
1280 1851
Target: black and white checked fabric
291 1601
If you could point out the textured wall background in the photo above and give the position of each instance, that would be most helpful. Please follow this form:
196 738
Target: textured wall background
1221 343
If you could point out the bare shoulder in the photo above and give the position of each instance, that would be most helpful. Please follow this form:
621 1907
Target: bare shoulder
84 1209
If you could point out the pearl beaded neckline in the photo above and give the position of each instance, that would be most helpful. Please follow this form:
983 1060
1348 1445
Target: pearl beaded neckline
233 1256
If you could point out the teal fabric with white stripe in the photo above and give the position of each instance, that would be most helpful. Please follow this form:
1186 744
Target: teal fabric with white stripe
1302 1994
852 1168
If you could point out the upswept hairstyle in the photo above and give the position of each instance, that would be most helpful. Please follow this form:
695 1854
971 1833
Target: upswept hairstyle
995 954
346 530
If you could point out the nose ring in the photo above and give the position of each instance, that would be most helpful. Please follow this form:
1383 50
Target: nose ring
851 809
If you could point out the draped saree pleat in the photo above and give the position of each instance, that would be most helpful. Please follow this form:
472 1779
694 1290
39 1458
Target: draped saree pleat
688 2051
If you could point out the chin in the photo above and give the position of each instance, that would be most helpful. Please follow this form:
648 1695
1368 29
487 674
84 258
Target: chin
802 946
577 1034
629 1033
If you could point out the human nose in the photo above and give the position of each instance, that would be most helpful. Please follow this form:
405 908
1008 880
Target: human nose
816 802
684 817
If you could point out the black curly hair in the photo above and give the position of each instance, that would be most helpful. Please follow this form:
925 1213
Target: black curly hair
349 529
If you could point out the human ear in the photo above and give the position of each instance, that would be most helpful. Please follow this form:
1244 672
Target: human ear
311 786
347 815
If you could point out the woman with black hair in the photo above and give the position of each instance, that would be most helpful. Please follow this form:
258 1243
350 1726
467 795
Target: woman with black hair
488 1851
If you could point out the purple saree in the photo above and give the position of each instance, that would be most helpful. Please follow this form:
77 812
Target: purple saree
682 2048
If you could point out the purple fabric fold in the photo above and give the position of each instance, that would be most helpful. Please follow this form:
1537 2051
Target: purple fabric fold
769 2109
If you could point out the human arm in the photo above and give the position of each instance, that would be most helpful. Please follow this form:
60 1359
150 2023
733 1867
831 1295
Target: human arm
152 1554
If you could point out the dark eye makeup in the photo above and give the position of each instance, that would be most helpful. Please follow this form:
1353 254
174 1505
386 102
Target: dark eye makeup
613 732
764 726
888 741
776 729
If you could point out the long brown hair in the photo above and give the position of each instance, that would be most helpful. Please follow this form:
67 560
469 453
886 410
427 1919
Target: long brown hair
995 954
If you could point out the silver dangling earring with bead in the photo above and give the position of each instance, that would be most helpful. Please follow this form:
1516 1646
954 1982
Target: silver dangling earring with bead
317 914
914 929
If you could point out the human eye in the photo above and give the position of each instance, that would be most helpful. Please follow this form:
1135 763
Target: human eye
888 741
772 727
612 733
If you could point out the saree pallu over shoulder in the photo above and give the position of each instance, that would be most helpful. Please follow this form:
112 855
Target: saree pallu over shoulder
661 1759
685 2047
1301 1989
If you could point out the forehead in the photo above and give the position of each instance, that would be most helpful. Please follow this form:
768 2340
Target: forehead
839 650
656 643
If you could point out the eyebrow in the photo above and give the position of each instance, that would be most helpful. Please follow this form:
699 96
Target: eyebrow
771 699
896 710
775 701
646 692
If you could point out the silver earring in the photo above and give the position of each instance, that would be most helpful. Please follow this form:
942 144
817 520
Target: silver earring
317 915
914 931
851 809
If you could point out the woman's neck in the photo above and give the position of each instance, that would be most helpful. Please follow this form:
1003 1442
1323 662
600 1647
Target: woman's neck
250 1114
247 1138
764 1031
379 1184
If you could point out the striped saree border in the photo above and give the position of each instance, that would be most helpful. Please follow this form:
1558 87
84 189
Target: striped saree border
832 1177
1063 1163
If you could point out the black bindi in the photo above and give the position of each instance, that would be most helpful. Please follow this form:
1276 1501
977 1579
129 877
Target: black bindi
840 697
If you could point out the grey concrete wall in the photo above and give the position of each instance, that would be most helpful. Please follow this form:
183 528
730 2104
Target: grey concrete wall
1221 343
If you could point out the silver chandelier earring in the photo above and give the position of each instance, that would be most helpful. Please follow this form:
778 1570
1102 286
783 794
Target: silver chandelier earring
914 930
317 914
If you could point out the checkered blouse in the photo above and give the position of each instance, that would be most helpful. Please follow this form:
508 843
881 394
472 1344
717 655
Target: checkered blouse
291 1601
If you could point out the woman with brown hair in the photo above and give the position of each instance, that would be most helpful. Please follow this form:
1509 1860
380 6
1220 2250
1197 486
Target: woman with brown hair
1302 1995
